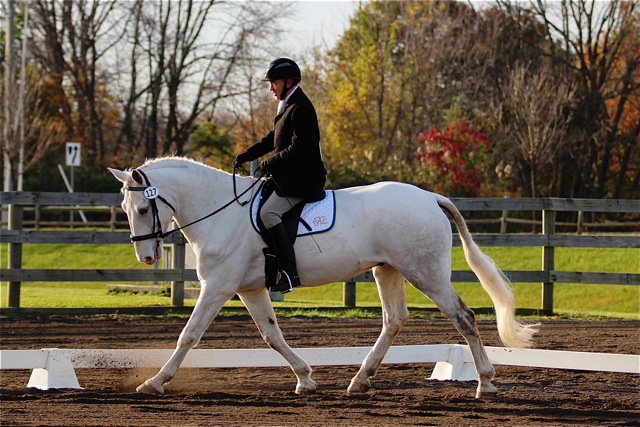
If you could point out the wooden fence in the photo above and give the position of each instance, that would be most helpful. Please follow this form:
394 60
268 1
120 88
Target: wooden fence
113 218
548 239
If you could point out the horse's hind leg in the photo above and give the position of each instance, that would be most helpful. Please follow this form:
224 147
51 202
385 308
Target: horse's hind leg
261 311
448 301
394 315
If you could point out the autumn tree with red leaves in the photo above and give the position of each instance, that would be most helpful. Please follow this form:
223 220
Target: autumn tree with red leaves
454 157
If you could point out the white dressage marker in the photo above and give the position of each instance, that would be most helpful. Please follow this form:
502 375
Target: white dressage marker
460 365
54 368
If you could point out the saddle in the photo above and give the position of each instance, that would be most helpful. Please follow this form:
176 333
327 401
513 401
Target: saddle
302 220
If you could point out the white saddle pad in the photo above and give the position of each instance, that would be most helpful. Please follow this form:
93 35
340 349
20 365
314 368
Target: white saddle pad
320 216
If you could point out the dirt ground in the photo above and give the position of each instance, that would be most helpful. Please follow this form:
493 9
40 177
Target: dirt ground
402 394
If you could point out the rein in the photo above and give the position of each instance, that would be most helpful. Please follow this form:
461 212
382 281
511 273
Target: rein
235 191
151 193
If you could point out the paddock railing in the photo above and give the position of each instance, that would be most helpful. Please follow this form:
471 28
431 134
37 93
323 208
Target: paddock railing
548 239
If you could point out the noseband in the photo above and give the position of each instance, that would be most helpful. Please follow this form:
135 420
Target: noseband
151 193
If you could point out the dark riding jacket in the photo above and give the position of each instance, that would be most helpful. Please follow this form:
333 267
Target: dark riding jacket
296 165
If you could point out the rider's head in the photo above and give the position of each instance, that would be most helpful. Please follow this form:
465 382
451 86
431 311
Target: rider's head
282 74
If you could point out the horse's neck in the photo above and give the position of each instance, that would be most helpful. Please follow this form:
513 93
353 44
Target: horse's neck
194 190
201 192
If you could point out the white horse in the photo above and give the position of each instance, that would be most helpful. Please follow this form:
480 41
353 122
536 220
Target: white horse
398 230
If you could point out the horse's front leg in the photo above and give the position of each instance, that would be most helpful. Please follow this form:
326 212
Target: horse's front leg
209 303
394 315
261 310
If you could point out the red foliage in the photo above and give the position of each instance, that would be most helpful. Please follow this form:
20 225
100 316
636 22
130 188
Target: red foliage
452 155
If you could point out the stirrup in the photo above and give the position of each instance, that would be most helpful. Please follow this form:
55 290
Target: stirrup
284 285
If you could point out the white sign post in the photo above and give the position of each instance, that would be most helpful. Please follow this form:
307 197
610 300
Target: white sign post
72 155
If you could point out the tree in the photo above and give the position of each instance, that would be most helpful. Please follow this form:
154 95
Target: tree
135 79
598 41
627 152
185 71
9 147
31 121
45 127
381 79
403 67
456 156
536 113
209 141
76 37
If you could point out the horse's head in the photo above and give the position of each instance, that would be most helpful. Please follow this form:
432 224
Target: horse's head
149 213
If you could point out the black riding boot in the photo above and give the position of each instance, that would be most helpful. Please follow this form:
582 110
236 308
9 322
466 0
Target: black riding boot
286 256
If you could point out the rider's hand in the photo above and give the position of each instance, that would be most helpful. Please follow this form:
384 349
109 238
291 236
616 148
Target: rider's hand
241 159
264 167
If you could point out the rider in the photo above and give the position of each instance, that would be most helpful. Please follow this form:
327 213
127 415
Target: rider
296 166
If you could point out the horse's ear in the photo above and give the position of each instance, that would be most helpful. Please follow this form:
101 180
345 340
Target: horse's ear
121 176
137 176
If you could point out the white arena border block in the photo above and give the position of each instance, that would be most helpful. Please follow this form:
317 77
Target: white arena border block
54 368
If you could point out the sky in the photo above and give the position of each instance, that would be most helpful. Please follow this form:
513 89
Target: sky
319 23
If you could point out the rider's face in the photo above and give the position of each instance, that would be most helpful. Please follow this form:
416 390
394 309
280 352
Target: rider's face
276 87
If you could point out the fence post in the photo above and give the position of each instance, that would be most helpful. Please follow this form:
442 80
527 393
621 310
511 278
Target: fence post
548 259
112 218
14 259
36 217
178 258
349 294
503 222
580 221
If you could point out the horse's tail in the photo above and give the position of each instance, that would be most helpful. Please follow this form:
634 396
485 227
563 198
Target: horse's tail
512 333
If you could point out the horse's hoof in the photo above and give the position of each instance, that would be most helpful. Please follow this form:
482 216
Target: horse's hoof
149 388
488 390
305 390
306 386
356 388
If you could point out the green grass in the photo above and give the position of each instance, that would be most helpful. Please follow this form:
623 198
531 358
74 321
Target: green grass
574 299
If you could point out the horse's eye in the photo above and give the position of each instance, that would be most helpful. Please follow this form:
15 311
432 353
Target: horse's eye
143 211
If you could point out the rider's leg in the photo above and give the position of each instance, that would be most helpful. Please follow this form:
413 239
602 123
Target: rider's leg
271 215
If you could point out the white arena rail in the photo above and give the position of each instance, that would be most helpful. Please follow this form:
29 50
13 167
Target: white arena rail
54 368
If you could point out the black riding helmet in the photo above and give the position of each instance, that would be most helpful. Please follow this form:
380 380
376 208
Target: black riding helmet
283 69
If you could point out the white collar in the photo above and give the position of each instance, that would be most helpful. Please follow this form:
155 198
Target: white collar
290 93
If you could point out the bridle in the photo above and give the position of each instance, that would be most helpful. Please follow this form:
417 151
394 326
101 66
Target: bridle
151 193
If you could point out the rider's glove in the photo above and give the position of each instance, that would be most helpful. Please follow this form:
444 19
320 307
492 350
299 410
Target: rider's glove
264 167
241 159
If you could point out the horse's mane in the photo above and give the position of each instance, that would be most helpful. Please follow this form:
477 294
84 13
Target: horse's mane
174 162
168 162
